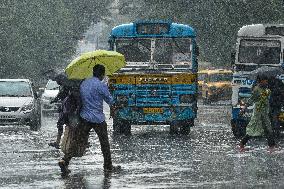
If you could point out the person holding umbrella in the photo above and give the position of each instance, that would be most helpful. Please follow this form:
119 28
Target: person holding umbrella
259 124
92 67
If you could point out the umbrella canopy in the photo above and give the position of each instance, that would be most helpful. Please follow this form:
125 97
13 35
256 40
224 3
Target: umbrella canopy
266 71
82 67
63 80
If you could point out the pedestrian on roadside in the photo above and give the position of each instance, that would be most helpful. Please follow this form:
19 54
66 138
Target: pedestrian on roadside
62 94
276 102
92 93
259 123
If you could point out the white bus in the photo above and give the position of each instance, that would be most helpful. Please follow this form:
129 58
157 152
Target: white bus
257 45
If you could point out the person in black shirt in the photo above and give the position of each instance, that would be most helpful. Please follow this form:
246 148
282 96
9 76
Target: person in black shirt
62 94
276 102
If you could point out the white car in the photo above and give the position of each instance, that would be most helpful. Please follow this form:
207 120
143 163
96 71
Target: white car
19 104
50 91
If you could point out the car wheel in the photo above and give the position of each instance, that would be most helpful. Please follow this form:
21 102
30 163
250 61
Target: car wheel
35 124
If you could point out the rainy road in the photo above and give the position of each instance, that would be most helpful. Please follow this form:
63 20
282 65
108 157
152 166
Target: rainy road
150 158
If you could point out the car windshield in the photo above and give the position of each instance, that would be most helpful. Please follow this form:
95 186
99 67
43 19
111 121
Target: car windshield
220 77
15 88
52 85
259 52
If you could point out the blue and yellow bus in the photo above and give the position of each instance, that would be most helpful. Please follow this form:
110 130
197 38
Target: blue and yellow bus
158 85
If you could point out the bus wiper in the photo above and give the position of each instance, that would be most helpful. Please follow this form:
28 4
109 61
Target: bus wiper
178 46
149 50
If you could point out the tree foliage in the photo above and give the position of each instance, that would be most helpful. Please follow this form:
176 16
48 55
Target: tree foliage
216 21
37 35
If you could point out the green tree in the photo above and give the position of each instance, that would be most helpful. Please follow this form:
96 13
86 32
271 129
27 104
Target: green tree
216 21
37 35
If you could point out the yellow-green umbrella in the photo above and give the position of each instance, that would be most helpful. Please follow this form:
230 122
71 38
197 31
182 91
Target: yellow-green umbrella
82 67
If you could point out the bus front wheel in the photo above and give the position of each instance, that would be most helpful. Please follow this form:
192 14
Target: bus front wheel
121 126
182 127
185 127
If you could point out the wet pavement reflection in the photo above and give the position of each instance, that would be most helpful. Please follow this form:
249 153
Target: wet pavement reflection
150 158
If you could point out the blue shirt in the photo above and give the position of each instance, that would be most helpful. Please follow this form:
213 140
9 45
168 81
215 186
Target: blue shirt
93 92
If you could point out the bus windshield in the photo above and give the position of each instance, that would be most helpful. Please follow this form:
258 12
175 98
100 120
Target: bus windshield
134 50
259 51
171 50
164 50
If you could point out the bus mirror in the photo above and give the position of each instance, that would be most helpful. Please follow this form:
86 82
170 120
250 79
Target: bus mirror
111 44
233 54
197 50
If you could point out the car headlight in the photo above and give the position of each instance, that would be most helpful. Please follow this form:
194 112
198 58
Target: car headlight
27 108
188 98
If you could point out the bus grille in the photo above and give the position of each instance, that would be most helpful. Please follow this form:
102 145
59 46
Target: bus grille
153 95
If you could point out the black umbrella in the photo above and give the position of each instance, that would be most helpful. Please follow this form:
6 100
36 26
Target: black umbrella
63 80
266 71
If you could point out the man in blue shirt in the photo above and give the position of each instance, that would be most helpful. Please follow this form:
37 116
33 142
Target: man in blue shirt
93 92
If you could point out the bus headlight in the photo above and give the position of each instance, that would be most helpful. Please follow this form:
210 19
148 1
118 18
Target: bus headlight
188 98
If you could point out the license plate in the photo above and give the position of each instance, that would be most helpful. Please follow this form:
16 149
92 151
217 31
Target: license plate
152 110
6 117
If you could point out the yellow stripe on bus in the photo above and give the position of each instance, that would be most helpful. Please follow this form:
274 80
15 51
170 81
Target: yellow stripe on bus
182 78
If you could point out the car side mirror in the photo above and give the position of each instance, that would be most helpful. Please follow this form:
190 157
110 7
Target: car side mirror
40 91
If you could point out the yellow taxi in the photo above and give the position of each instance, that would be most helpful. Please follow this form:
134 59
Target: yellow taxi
202 74
215 84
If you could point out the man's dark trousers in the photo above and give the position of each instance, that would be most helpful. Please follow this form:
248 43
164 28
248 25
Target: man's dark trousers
101 130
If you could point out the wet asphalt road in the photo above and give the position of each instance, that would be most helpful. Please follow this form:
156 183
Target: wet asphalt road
150 158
